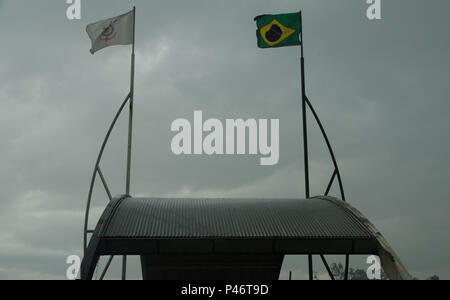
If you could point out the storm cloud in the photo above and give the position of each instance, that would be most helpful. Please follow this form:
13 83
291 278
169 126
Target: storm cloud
380 87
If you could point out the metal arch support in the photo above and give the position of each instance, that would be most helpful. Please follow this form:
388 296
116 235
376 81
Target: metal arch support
92 255
104 184
331 183
310 267
96 168
327 267
336 173
108 264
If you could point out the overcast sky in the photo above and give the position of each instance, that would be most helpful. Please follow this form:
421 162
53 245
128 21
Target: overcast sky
381 89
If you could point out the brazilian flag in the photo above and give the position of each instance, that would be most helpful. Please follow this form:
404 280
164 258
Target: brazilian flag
278 30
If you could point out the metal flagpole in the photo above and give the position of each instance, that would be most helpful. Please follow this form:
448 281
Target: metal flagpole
305 132
130 130
130 125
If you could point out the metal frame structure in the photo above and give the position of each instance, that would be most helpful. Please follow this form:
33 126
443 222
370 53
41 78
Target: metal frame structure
97 171
394 266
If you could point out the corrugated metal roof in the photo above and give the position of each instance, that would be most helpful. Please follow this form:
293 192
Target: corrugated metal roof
158 218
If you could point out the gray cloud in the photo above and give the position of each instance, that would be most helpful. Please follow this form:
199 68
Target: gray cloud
380 88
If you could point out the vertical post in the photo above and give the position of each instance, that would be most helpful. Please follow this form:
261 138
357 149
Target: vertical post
124 267
130 124
130 130
310 267
305 131
347 258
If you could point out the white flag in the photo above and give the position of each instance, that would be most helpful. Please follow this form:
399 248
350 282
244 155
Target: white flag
110 32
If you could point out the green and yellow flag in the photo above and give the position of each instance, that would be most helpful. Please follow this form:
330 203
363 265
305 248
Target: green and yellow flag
278 30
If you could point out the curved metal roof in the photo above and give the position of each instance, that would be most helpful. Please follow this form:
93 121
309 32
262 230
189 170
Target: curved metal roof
157 227
158 218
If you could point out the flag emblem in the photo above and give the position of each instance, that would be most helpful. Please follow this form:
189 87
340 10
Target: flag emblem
108 32
274 33
278 30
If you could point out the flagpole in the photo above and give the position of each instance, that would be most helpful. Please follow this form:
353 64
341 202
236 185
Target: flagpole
305 132
130 124
130 129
